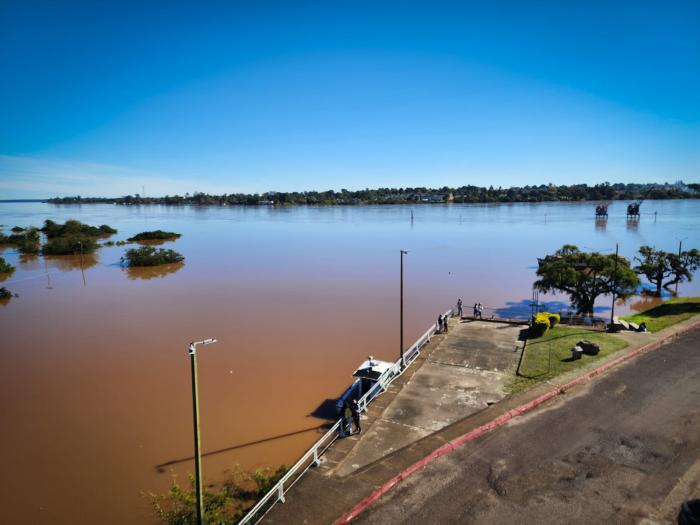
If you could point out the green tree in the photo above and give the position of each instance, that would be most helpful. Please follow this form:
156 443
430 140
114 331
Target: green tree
663 269
585 276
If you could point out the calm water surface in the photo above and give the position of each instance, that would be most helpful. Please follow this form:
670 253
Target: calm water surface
95 397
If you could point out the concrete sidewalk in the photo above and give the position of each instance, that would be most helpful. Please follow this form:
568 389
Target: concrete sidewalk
474 355
466 372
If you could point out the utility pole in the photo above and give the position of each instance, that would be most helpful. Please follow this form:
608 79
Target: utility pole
612 310
680 250
403 365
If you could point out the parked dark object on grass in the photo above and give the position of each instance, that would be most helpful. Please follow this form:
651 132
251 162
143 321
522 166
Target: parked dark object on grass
588 347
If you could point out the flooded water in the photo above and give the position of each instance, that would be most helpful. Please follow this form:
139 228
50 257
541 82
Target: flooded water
95 396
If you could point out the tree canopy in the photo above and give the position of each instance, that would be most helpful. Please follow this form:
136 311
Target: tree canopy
418 195
585 276
663 269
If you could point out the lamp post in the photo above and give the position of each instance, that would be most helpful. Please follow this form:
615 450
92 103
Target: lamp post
680 251
195 410
612 310
403 252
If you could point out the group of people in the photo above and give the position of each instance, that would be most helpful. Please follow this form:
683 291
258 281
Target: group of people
350 418
442 323
478 311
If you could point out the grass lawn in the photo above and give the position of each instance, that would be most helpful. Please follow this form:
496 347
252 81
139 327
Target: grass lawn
539 366
670 312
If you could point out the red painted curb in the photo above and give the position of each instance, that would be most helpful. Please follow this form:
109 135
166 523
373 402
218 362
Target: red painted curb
501 420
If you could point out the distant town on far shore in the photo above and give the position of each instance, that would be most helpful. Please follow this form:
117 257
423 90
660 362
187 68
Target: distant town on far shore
420 195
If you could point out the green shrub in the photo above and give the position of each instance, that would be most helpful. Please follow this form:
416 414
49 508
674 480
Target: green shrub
150 256
540 325
6 267
5 294
69 245
17 229
156 235
224 505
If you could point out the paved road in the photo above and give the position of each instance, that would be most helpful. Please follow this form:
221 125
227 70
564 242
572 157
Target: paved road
623 449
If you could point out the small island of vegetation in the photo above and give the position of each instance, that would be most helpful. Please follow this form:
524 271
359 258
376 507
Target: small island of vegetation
156 235
5 294
6 269
73 237
72 227
150 256
27 240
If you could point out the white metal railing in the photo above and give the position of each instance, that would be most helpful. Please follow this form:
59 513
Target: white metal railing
313 455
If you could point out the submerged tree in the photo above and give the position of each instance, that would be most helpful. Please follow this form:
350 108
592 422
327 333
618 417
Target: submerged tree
149 256
664 269
585 276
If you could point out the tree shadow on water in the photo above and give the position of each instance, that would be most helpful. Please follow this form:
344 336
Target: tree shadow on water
523 309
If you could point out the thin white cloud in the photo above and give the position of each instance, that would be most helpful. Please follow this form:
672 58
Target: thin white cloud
33 177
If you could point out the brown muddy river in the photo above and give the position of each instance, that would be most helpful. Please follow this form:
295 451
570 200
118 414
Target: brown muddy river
95 397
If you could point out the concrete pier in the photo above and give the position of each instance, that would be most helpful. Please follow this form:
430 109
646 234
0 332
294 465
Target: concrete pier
458 374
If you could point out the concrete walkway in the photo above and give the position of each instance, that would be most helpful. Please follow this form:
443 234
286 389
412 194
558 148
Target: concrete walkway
345 477
464 374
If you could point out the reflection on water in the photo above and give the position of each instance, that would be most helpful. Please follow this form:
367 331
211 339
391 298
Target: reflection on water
644 302
152 272
632 225
73 262
66 263
154 242
601 224
99 395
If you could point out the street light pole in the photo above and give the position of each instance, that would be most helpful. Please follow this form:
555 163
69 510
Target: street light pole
612 310
195 410
403 365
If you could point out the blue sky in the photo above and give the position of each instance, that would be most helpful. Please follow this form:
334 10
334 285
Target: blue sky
102 98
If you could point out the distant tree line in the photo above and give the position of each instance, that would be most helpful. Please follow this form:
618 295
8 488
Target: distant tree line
463 194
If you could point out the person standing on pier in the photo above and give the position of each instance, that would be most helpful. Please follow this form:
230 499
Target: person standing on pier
355 409
476 310
459 307
439 324
444 322
346 425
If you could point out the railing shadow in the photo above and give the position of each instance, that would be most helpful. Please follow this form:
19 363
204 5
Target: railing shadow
162 466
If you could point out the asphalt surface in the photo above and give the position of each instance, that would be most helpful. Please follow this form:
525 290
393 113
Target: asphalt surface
625 448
